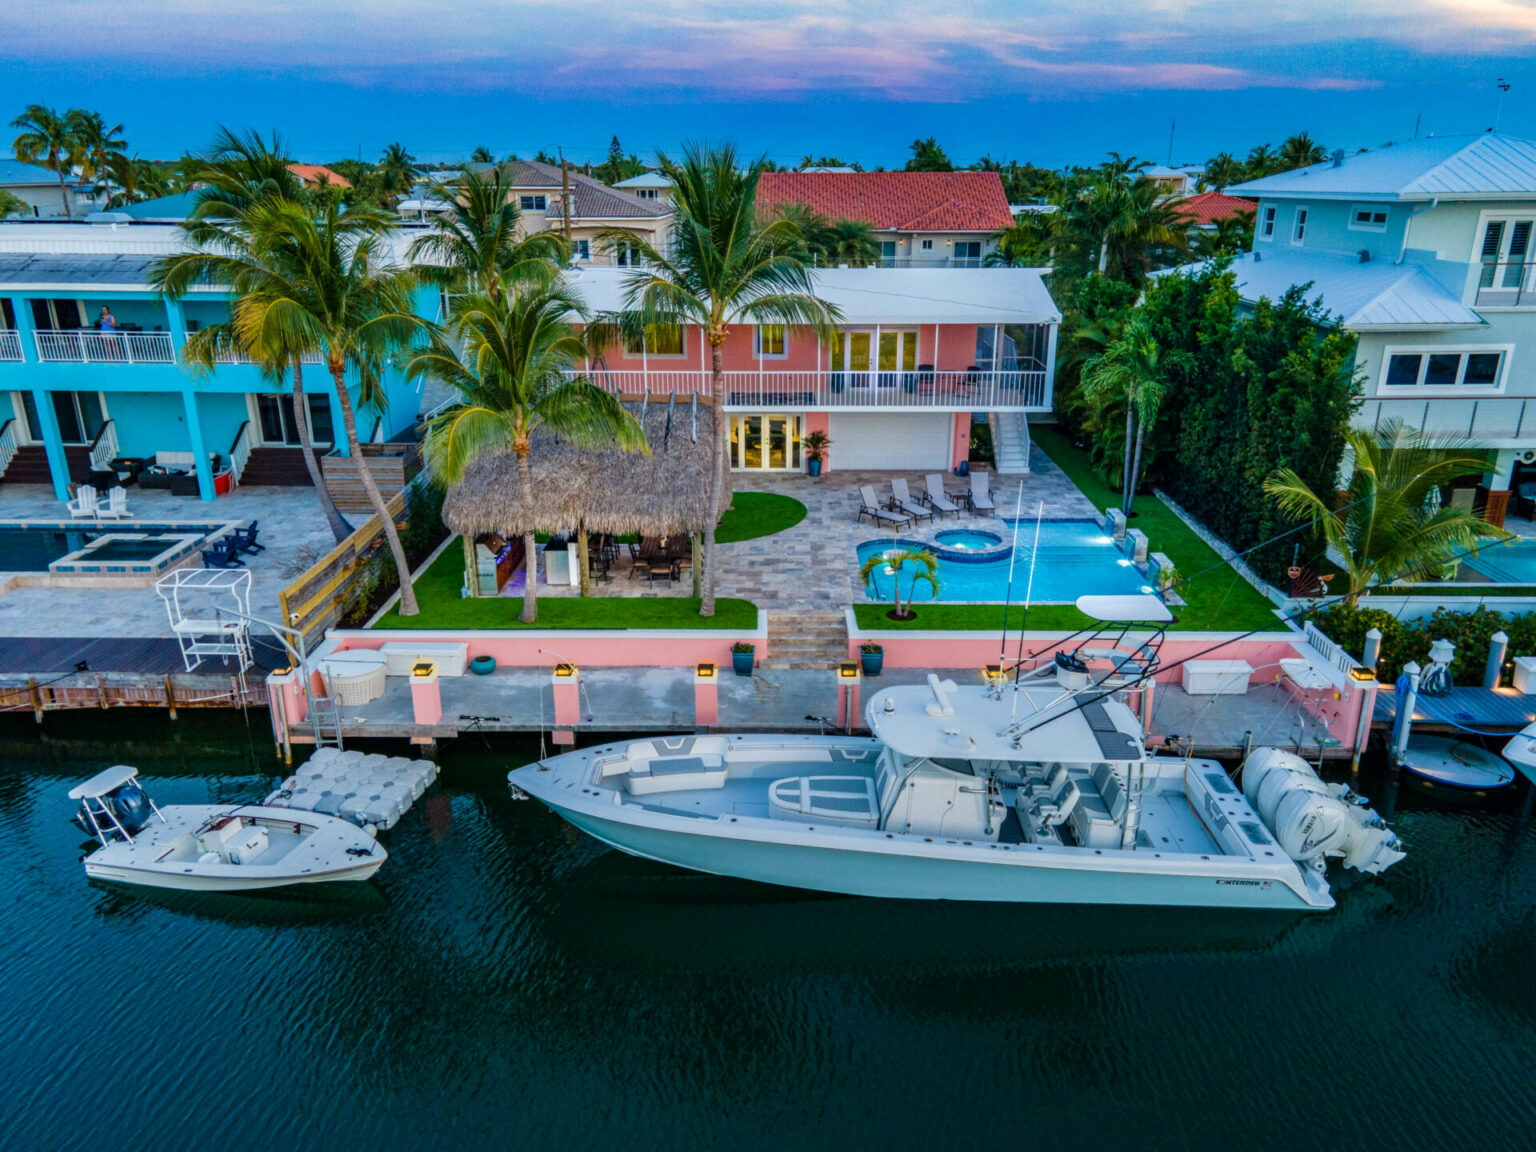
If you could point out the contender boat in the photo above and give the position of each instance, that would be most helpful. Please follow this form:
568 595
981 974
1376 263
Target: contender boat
1036 790
214 847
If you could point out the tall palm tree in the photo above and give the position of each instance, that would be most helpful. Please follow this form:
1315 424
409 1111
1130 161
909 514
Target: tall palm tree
1222 170
513 372
48 140
482 156
1261 162
1228 236
1133 370
397 171
851 242
726 267
315 283
133 179
1390 524
100 146
477 247
1300 150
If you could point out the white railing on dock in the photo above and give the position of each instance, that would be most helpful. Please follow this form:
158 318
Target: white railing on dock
1328 650
905 388
10 346
89 346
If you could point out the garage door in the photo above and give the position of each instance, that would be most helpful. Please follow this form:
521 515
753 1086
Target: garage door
905 441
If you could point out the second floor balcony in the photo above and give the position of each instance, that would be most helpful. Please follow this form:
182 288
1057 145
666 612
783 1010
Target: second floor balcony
93 346
923 387
1510 284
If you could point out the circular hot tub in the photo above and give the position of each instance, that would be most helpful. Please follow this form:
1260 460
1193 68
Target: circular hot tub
968 540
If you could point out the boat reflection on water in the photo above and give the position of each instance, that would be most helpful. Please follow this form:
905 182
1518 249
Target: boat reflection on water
311 904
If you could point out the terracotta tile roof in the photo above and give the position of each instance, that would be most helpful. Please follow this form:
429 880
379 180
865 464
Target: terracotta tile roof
1209 207
895 201
319 174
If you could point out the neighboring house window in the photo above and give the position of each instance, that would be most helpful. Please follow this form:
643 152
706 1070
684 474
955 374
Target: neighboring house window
968 250
534 203
662 340
1479 368
888 252
1267 225
627 256
1299 229
771 342
1506 258
1367 218
647 193
927 245
581 249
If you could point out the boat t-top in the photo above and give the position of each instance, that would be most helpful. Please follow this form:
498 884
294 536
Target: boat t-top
1037 789
214 847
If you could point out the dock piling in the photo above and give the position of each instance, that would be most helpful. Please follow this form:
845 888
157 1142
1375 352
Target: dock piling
1405 706
1498 644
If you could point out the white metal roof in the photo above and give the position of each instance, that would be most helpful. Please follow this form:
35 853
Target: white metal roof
107 780
1486 167
1377 296
644 180
891 295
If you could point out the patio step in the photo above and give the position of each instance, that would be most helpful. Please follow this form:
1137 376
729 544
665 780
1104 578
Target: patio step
1010 442
808 640
30 465
276 467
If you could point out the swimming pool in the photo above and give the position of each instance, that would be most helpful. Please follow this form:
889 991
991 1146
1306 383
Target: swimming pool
1076 559
1506 563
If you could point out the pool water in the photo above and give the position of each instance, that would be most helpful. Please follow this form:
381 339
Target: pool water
969 538
1075 559
1506 563
146 549
31 549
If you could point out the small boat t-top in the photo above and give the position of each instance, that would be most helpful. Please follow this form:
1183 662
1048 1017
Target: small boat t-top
214 847
1038 790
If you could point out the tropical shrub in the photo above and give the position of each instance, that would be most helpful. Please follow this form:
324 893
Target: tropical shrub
1404 641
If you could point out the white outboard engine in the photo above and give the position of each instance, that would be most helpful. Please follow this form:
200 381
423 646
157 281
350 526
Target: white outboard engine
1312 819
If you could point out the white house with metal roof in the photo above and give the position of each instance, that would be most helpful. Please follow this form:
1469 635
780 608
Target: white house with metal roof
1424 251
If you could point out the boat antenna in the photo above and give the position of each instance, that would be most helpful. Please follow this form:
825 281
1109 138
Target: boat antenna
1002 641
1029 591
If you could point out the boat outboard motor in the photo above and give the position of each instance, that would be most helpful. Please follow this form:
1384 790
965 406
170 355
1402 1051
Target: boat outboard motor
131 806
1312 819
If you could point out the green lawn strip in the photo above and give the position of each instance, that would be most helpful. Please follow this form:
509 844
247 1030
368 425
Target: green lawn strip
1218 601
437 592
1485 591
754 514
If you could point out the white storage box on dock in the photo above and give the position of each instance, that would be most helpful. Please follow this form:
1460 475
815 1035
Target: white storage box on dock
1525 675
400 655
1217 677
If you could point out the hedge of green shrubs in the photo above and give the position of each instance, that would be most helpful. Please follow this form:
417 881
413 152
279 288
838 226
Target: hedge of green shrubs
1403 641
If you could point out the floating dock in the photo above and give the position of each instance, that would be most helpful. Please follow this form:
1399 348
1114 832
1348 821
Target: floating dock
365 788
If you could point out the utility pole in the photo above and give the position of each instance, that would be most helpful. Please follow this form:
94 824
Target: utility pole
565 198
1172 126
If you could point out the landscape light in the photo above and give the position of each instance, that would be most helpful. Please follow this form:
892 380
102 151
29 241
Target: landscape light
705 671
848 670
565 671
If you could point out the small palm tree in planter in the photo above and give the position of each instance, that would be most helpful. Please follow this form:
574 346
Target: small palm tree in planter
742 657
925 570
816 445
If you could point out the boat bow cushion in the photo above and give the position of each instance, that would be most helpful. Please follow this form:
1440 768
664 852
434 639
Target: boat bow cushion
675 774
831 799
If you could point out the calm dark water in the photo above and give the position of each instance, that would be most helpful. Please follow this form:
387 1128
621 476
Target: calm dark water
508 982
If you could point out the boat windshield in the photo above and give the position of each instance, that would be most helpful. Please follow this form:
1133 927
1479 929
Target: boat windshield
964 767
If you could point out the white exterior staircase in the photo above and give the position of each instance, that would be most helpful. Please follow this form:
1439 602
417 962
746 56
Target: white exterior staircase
1010 442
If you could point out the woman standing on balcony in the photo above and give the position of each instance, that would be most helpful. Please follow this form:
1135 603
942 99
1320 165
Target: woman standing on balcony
106 322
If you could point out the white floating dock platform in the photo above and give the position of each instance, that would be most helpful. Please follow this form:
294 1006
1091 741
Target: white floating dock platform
366 788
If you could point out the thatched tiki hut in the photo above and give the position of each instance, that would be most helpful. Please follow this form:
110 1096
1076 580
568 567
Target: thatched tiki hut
597 490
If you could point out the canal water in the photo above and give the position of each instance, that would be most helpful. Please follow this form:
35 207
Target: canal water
508 982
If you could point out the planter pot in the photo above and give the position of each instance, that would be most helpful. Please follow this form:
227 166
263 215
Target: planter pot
742 662
813 467
483 665
872 662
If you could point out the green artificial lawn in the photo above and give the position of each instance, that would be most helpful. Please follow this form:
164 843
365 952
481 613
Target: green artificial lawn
754 514
1216 601
437 593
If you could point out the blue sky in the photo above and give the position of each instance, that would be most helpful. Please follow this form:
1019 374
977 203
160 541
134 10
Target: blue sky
1049 81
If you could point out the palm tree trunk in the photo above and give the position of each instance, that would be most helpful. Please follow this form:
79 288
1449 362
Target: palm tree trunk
530 611
375 497
1103 254
63 189
717 478
340 529
1125 472
697 566
1141 430
582 544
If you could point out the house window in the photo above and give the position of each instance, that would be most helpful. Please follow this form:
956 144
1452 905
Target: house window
927 245
581 249
1506 280
647 193
772 343
661 340
1477 368
1299 229
1367 218
1267 225
534 203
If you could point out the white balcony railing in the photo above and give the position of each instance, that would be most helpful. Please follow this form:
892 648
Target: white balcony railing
89 346
9 442
1507 285
912 388
240 454
10 346
104 448
230 357
1478 418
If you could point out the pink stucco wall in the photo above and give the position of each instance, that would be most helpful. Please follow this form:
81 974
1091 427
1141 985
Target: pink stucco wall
821 422
631 649
962 446
955 345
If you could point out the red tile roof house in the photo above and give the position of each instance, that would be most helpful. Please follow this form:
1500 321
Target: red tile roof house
1204 210
314 175
924 219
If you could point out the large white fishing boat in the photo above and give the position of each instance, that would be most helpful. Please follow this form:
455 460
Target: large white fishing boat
1039 789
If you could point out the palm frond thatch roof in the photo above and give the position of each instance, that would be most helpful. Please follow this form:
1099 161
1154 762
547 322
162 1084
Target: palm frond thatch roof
606 490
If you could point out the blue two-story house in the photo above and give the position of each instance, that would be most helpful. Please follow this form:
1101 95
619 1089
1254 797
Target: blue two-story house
1424 251
75 396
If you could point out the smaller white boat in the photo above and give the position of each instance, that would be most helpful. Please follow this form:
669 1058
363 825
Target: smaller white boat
1449 763
214 847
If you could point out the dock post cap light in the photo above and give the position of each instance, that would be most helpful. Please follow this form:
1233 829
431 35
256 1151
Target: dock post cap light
1362 674
992 672
564 671
848 670
423 668
705 671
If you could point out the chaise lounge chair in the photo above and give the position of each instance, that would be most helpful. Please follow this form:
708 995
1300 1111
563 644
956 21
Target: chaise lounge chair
871 508
901 497
981 493
936 497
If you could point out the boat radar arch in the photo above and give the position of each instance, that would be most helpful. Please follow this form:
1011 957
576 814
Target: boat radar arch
1144 609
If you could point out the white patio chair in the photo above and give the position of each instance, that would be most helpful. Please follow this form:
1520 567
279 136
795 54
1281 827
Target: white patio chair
902 499
937 498
981 492
117 505
83 506
871 508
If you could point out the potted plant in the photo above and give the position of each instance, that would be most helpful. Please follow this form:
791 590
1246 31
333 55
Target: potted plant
816 445
872 656
741 657
925 570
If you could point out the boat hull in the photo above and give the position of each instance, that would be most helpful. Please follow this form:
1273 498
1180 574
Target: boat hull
886 868
152 878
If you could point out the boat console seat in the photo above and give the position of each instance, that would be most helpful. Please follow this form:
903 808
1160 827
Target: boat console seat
675 774
825 799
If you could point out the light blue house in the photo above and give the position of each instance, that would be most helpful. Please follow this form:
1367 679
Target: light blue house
1424 250
74 397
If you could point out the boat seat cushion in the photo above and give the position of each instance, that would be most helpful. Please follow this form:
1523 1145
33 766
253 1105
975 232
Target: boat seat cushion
827 799
675 774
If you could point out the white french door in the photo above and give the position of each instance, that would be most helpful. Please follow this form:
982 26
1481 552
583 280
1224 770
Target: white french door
868 357
765 443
